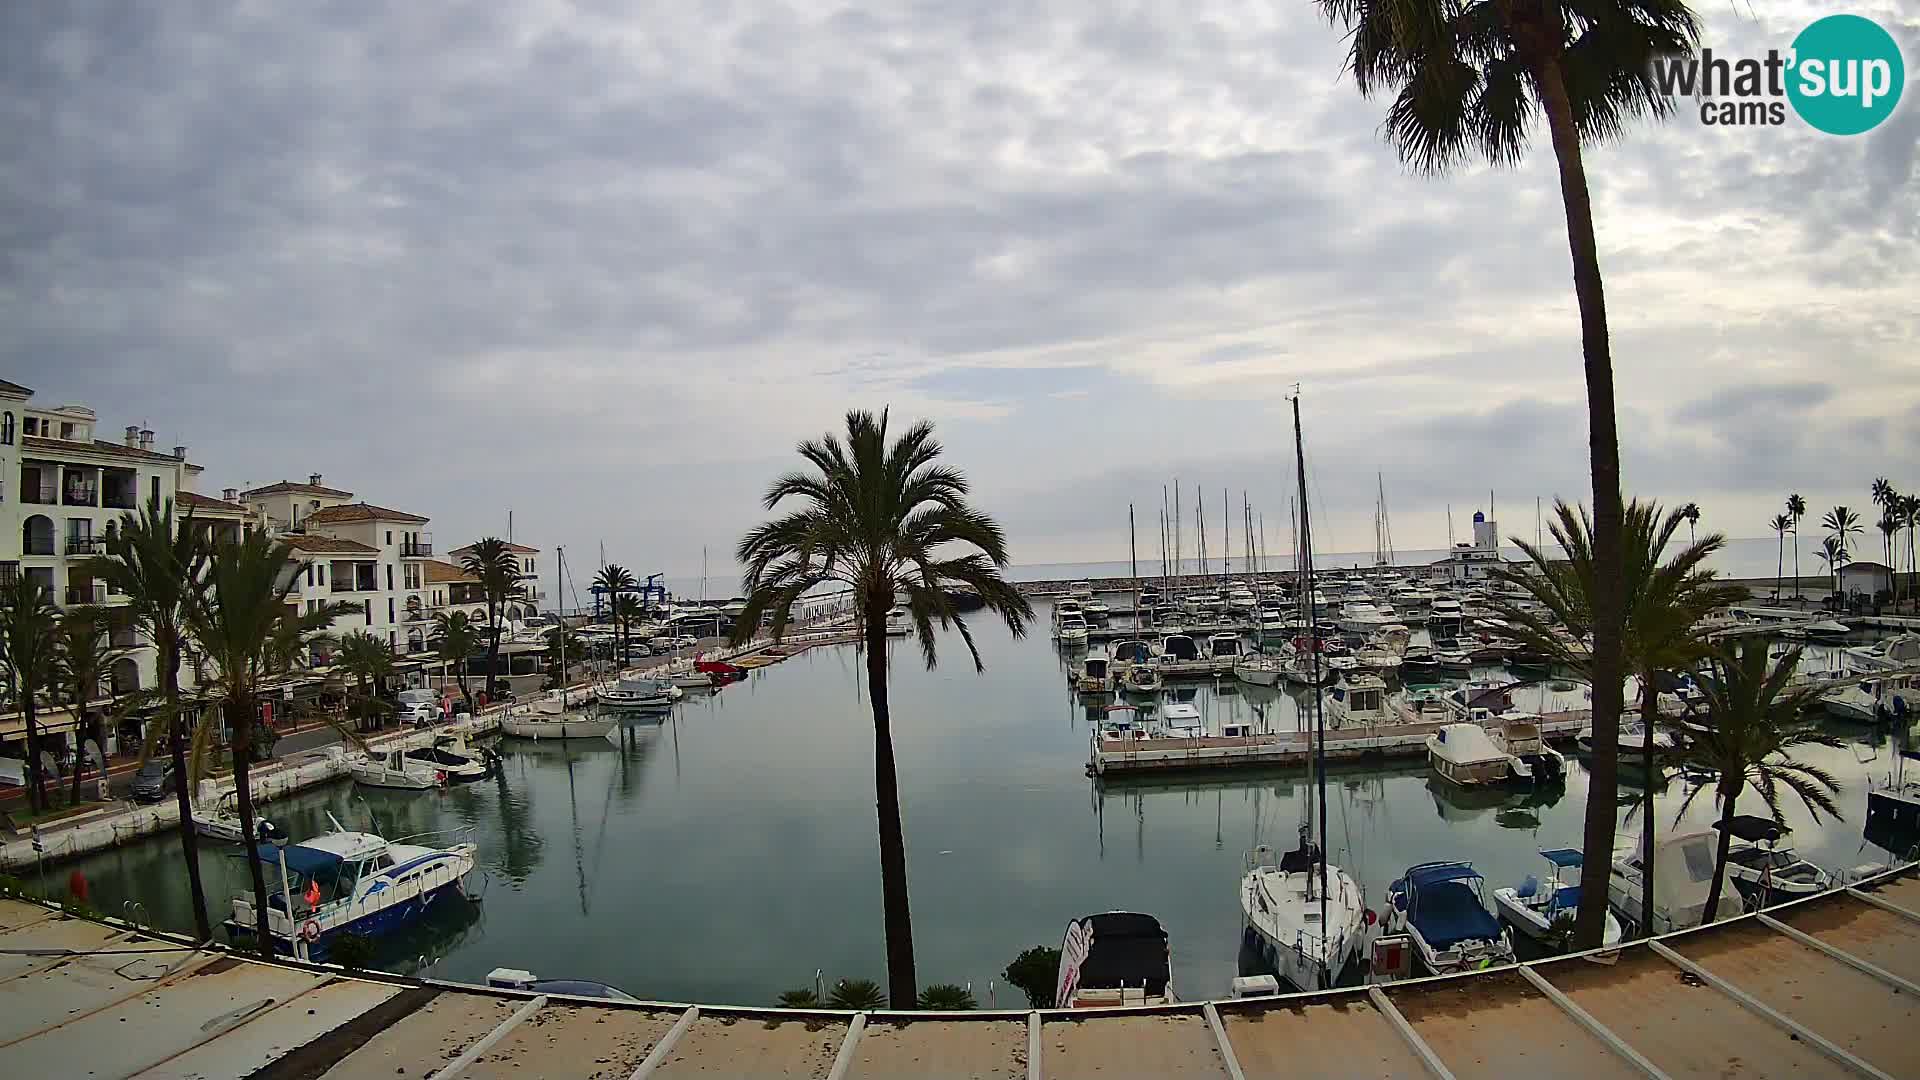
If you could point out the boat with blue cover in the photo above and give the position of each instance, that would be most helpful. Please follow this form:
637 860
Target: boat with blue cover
344 882
1443 907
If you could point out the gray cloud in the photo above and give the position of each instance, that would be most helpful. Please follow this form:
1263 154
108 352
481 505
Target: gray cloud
603 264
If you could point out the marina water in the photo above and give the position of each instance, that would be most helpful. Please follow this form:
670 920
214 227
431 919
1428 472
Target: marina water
726 854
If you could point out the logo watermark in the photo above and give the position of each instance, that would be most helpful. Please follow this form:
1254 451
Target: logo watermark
1843 75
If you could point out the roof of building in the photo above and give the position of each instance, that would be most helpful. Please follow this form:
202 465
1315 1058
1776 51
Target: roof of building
1866 566
288 487
441 573
327 545
360 511
14 388
201 502
100 446
518 549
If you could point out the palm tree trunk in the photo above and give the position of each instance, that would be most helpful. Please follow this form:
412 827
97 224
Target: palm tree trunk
1779 566
1796 561
240 716
36 777
79 751
183 798
901 990
1720 854
1649 711
1604 451
493 651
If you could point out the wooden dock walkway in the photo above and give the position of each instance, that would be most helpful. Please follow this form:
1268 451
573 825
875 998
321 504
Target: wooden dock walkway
1117 753
1821 987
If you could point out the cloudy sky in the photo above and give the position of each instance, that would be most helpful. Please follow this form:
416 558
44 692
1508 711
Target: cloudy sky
603 263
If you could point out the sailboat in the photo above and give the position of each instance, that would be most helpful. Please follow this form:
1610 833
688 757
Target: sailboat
1306 919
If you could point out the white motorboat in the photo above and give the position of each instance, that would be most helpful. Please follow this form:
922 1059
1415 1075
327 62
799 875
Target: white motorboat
529 723
1900 651
453 755
1097 609
1142 679
1466 755
1478 700
1273 626
349 881
1532 762
394 769
1259 670
1360 701
1633 738
1071 629
221 822
898 624
1096 673
1175 648
632 692
1241 598
1080 590
1363 617
1201 604
1683 875
1112 959
1544 909
1281 900
1869 701
1764 872
1443 907
1224 646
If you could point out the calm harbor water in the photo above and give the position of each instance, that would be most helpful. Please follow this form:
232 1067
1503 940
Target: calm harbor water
729 852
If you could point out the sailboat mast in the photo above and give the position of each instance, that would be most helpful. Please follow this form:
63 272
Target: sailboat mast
1319 717
1133 553
1177 550
560 582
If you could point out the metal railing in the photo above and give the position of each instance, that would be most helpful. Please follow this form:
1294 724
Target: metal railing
115 500
420 548
86 545
85 496
40 497
93 593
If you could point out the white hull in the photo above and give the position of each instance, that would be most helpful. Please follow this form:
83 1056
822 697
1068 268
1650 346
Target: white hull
1278 909
217 826
1257 676
527 727
1532 922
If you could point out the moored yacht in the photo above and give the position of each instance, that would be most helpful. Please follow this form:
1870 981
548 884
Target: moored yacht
1112 959
1763 871
1683 873
1071 629
394 769
1901 651
632 692
1281 900
1359 701
1443 907
452 754
1542 908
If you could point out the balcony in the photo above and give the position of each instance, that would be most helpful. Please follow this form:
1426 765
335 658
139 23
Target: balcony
417 548
94 592
119 499
41 496
9 573
86 545
81 495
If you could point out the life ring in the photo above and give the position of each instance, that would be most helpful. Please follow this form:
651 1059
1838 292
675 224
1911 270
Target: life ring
310 933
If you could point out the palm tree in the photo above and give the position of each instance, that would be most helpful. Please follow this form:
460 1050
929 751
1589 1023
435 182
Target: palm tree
30 663
1691 512
84 654
1780 524
1889 526
497 569
1883 492
886 521
1834 554
1910 514
159 564
1841 522
614 581
370 662
1664 602
1796 509
1468 78
1888 500
242 622
1753 719
456 640
628 609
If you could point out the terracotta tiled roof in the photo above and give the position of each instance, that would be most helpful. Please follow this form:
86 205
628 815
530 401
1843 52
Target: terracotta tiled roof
442 573
327 545
14 388
287 487
360 511
205 502
98 446
517 549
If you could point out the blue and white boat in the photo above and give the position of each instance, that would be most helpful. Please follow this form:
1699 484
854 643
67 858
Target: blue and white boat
1443 907
1535 905
349 882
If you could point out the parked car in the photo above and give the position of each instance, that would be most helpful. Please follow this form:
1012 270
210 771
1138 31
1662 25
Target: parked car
154 781
418 707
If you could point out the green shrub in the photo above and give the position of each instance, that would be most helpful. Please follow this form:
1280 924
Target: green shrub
1037 973
857 994
947 997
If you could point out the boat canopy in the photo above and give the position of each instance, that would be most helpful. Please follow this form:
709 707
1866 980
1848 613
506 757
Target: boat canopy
1127 949
1753 828
1564 856
1466 744
1436 873
1445 906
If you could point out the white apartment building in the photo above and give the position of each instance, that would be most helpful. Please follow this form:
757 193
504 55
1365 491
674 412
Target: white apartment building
353 552
450 588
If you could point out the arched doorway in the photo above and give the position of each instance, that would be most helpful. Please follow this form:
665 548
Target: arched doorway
416 641
36 535
125 676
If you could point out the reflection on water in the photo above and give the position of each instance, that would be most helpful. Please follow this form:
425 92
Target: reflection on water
727 851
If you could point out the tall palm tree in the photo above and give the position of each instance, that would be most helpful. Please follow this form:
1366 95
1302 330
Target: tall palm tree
614 581
1691 512
1887 498
30 663
1468 77
1910 514
1780 524
1841 524
456 640
1889 526
493 564
1664 602
1883 491
158 563
242 622
370 661
1834 554
84 655
1796 509
1753 720
627 610
887 521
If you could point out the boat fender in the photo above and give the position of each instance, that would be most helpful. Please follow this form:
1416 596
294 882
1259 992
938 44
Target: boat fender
310 933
